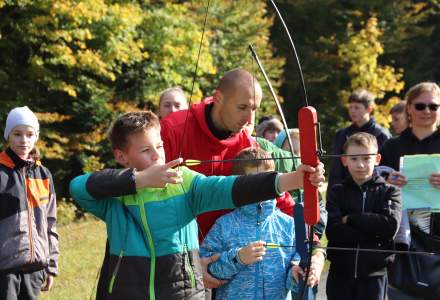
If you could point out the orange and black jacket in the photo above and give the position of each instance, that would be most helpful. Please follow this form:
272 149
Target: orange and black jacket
28 236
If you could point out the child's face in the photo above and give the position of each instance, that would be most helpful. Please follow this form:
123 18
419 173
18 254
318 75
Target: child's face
22 140
399 122
361 166
171 103
143 150
271 134
358 112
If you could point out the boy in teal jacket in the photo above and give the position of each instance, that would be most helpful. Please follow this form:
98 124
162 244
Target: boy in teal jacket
150 211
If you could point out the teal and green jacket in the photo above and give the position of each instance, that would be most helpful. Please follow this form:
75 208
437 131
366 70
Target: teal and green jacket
152 232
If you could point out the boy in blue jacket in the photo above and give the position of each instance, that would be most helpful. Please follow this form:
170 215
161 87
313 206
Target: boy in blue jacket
150 211
251 270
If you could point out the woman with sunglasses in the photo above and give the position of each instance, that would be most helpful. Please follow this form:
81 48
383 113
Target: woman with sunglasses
421 137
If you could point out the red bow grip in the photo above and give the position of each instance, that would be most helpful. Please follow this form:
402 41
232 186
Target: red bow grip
307 121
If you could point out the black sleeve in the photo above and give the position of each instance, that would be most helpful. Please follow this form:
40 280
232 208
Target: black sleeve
111 183
336 173
383 224
254 188
336 231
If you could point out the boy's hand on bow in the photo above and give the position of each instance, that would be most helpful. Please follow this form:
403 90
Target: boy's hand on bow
157 176
252 253
316 177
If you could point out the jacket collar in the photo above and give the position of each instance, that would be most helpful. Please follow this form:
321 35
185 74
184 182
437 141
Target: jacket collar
199 112
373 181
11 160
370 124
261 210
408 134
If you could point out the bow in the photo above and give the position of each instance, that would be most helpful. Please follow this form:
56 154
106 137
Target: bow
307 123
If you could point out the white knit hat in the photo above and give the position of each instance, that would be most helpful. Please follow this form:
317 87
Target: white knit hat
20 116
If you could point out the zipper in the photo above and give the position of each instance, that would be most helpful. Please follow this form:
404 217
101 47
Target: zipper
115 272
31 239
188 266
152 250
257 238
364 196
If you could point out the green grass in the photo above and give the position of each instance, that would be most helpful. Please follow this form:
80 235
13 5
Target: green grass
82 247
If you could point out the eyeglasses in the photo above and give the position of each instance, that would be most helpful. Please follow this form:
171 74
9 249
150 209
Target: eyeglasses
423 106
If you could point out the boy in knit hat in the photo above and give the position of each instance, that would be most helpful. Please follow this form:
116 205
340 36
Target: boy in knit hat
28 239
269 129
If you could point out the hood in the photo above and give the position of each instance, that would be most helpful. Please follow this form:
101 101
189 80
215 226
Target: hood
198 111
261 209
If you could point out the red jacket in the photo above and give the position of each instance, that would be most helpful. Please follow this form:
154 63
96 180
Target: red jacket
188 132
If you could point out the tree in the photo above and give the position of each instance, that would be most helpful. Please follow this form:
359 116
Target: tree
79 64
361 54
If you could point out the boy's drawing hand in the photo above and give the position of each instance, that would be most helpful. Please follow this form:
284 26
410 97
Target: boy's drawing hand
157 176
434 179
252 253
316 174
209 281
396 178
48 285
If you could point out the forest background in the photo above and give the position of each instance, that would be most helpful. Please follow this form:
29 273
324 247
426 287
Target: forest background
79 64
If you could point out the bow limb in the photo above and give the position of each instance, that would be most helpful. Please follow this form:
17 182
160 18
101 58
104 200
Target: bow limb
308 118
307 122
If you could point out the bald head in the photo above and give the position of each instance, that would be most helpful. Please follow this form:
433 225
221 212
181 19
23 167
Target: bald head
238 79
236 99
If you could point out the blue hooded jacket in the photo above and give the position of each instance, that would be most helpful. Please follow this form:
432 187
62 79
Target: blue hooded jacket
269 279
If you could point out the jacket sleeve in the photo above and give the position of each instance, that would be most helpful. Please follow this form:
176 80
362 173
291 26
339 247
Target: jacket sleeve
285 203
336 168
336 231
52 233
219 192
94 191
228 264
384 224
388 155
383 137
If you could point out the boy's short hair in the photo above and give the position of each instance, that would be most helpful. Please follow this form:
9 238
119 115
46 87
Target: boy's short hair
362 96
399 108
239 167
130 123
361 139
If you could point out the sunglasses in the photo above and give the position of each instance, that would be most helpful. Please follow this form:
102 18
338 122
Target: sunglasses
423 106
